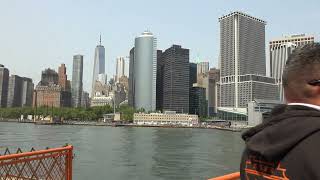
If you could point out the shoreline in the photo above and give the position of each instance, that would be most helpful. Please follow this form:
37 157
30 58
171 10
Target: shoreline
124 125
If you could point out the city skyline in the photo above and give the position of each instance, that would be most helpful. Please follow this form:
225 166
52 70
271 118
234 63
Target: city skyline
48 44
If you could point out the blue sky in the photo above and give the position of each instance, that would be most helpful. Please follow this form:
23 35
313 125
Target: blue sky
37 34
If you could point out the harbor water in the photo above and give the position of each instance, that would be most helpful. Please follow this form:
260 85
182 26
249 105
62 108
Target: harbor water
136 153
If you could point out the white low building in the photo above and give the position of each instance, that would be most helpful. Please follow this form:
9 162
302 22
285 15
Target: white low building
166 118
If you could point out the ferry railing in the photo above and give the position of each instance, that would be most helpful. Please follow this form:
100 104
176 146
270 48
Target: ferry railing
49 164
232 176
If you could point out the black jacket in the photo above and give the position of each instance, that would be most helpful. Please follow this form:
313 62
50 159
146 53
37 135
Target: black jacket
286 146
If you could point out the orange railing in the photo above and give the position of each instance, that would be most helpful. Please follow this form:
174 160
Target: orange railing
232 176
48 164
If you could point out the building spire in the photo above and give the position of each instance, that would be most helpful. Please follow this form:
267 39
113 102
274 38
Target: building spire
100 39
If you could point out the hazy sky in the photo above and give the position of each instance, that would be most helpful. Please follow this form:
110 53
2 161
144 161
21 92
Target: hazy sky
37 34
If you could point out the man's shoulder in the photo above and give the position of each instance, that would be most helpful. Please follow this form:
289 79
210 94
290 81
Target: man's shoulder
301 162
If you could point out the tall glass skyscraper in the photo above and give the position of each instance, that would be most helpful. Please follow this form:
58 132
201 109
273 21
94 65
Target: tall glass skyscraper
145 71
99 64
77 84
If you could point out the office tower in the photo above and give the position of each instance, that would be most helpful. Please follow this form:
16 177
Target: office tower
198 102
214 78
242 61
279 50
99 64
297 39
49 76
131 78
176 79
77 75
62 74
193 73
14 91
120 66
27 92
279 55
202 67
4 83
160 69
192 80
145 71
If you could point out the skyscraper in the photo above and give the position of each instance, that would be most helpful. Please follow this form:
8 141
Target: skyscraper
176 79
297 39
193 74
77 75
131 78
14 91
243 61
120 66
62 74
160 69
280 49
202 67
27 92
145 71
279 55
214 78
198 102
99 64
4 83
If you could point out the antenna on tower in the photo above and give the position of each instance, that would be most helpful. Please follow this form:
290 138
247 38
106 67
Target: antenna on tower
100 39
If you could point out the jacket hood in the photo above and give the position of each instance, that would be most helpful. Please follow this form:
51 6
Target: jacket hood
287 126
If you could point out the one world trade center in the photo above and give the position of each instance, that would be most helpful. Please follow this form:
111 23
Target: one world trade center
98 67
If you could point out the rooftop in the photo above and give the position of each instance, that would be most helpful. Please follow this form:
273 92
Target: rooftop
242 14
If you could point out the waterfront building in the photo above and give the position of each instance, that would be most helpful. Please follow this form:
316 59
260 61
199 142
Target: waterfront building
62 75
4 83
50 96
77 84
259 110
145 71
176 79
202 67
243 61
131 78
120 67
198 101
101 101
167 118
99 64
280 49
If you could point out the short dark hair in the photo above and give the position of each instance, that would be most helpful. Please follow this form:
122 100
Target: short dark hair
303 61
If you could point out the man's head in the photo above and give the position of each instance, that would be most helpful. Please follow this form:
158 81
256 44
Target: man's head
301 76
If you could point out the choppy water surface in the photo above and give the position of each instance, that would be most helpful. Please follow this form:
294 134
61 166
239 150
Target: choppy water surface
134 153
